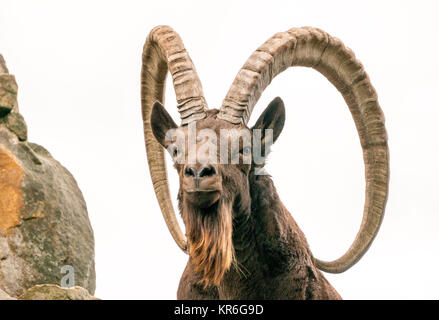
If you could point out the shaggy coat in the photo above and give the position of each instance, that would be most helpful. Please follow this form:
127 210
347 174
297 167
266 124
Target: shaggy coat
273 259
245 245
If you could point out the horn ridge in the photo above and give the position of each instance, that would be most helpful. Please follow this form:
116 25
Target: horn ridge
312 47
163 51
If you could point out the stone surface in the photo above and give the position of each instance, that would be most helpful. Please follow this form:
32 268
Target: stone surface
44 223
5 296
15 123
8 94
3 68
8 90
55 292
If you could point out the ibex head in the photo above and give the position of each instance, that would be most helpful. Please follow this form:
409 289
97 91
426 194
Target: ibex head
214 159
215 153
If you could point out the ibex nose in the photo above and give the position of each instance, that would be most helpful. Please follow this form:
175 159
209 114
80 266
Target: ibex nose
200 171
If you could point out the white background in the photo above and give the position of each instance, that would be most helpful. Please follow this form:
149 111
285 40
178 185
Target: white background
78 64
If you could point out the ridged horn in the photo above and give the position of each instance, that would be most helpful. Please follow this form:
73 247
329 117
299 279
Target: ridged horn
311 47
163 51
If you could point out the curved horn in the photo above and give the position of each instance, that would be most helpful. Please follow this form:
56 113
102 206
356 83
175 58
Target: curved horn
310 47
163 51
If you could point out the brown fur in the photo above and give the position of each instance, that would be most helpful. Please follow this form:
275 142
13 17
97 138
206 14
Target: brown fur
246 245
209 235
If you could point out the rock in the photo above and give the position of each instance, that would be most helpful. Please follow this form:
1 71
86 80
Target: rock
44 224
55 292
3 68
5 296
8 90
15 123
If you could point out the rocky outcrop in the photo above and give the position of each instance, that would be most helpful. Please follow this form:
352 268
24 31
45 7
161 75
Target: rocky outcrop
8 90
44 224
5 296
54 292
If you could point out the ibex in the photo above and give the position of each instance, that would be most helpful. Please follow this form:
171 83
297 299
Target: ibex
241 240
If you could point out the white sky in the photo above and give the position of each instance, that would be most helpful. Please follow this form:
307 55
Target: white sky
78 65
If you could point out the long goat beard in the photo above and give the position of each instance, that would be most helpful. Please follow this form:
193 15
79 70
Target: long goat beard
209 233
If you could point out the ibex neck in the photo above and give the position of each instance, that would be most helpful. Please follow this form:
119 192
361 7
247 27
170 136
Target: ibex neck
266 224
268 244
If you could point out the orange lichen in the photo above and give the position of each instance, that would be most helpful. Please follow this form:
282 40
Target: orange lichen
11 194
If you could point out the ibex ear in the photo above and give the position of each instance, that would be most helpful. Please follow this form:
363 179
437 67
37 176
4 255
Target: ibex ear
161 123
273 118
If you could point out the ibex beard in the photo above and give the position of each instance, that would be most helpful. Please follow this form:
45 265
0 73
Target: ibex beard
209 233
208 194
